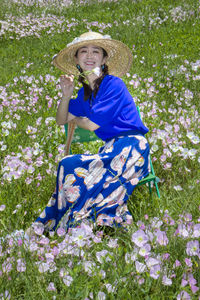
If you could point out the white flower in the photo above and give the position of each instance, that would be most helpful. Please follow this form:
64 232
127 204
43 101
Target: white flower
96 71
178 188
140 267
101 296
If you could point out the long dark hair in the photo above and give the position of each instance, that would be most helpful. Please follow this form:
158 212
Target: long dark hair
87 89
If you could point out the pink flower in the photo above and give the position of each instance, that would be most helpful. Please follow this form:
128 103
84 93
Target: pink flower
113 243
166 256
145 250
102 255
44 241
183 296
2 207
139 238
38 228
194 288
61 231
152 262
51 287
166 280
21 266
188 262
101 296
196 231
184 282
177 263
67 280
161 238
155 271
140 267
191 279
192 248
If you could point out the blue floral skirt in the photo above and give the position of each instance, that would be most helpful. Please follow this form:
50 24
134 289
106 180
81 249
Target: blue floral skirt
97 187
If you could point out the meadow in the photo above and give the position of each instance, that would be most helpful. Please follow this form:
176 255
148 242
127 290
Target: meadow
158 256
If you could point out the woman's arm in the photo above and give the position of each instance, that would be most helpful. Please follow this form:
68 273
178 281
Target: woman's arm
67 86
85 123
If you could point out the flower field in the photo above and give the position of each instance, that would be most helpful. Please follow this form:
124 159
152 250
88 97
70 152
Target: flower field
158 255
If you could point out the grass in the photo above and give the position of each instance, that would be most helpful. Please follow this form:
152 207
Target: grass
164 81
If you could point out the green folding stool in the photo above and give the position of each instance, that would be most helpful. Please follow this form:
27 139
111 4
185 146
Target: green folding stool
76 134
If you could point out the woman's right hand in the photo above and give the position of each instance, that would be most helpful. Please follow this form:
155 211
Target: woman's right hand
67 85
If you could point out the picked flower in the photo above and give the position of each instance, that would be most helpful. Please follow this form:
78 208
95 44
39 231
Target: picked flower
97 71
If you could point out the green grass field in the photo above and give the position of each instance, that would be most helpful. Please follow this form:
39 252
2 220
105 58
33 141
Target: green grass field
159 255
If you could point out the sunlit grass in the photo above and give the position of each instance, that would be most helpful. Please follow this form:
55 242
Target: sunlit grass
164 81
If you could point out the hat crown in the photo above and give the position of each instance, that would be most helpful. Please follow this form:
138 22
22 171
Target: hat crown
91 34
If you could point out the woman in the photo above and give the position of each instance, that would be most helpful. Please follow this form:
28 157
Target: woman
96 187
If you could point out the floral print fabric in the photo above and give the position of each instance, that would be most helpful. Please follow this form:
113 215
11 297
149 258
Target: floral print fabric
97 187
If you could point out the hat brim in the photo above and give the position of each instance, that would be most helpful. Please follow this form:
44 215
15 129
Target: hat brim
119 56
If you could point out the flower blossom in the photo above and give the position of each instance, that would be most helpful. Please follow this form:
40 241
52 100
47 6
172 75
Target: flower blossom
192 248
139 238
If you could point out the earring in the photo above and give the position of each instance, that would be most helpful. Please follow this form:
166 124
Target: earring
103 67
78 67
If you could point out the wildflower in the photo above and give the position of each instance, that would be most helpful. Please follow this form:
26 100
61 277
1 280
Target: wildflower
43 267
51 287
152 262
182 231
113 243
102 274
166 280
156 222
177 263
21 266
184 282
89 267
161 238
61 231
101 255
38 228
188 262
2 207
5 296
139 238
155 271
145 250
67 280
101 296
110 288
178 188
192 248
140 267
183 296
196 231
194 288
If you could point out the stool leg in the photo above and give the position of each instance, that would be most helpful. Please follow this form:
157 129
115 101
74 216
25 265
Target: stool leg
157 190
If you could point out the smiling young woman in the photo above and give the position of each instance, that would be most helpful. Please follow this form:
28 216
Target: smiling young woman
96 188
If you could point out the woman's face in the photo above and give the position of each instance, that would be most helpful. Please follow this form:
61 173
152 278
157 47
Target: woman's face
90 57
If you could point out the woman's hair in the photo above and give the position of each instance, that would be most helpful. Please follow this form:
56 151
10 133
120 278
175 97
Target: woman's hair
87 89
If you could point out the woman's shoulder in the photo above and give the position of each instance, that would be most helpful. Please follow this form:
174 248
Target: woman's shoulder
114 81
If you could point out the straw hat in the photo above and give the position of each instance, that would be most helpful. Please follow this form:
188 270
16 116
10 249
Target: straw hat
119 55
